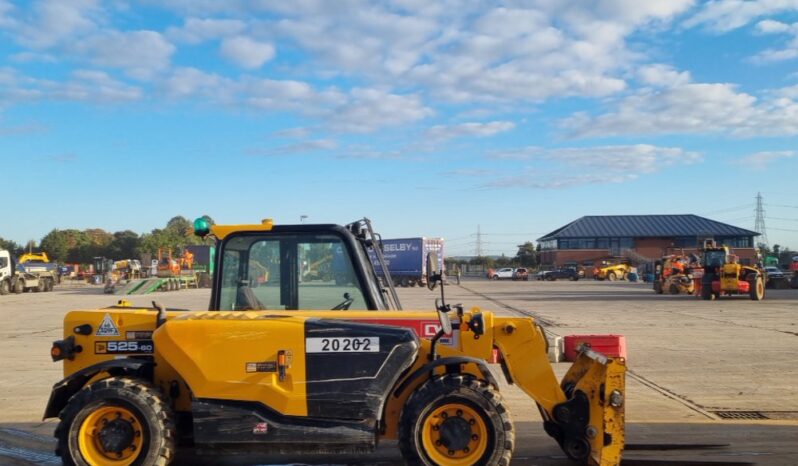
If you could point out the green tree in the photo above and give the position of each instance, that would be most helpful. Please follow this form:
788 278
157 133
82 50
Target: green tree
14 248
124 245
180 226
56 244
527 255
161 239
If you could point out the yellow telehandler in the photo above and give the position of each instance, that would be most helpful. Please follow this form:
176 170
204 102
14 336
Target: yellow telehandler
315 366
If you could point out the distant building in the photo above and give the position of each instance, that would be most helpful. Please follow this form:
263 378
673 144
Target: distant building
590 240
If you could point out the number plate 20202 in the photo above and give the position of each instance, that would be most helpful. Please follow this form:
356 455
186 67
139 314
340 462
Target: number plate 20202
342 345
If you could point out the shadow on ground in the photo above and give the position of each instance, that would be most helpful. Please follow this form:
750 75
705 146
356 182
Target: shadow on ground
656 444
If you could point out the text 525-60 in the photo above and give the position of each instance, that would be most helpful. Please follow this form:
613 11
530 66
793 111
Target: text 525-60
124 347
343 345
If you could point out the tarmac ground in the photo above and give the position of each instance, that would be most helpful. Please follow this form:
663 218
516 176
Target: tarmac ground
692 365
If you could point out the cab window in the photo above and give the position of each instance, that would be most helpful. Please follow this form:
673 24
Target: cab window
288 272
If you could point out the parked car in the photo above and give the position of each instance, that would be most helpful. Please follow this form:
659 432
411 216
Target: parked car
552 275
504 273
774 272
521 274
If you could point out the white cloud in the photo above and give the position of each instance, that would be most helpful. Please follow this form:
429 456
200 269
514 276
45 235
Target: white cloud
48 23
575 166
726 15
140 54
760 160
661 75
359 110
246 52
787 52
443 132
544 180
627 159
770 26
197 30
296 133
367 110
299 148
81 85
690 109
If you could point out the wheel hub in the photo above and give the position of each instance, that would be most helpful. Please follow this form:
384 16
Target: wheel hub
111 435
455 433
116 435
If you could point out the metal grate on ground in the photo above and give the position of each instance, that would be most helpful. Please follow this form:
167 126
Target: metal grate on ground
740 415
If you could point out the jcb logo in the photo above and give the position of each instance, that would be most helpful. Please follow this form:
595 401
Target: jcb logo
430 330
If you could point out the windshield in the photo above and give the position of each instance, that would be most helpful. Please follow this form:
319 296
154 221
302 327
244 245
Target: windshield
714 258
288 272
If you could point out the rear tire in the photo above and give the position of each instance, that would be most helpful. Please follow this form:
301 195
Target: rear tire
19 287
456 417
756 289
138 424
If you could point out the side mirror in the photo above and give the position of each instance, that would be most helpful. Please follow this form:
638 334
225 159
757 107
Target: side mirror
433 274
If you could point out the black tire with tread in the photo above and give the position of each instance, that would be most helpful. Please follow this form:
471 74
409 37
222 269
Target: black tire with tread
5 287
19 287
457 388
141 396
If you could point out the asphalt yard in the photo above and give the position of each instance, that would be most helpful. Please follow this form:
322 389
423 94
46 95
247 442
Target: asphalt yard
708 382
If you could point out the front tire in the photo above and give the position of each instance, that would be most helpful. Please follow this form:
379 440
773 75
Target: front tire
5 288
611 276
456 419
120 421
756 289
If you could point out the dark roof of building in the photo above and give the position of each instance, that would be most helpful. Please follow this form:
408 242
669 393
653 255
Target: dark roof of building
642 226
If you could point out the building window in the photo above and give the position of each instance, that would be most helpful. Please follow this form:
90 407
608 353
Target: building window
602 243
587 263
736 241
548 244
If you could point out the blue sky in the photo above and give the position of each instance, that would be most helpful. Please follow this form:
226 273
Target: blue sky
431 118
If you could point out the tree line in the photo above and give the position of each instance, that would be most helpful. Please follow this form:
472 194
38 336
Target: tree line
81 246
527 256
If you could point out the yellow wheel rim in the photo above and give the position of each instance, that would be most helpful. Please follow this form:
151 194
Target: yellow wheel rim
99 424
454 434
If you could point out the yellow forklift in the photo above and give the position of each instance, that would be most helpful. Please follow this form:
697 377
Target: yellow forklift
318 366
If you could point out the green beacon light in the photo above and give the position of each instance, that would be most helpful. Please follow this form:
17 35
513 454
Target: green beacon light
201 227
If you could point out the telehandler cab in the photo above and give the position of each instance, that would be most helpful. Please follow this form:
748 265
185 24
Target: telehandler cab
308 365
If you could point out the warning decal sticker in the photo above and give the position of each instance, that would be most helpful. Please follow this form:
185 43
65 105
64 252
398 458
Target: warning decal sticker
107 327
